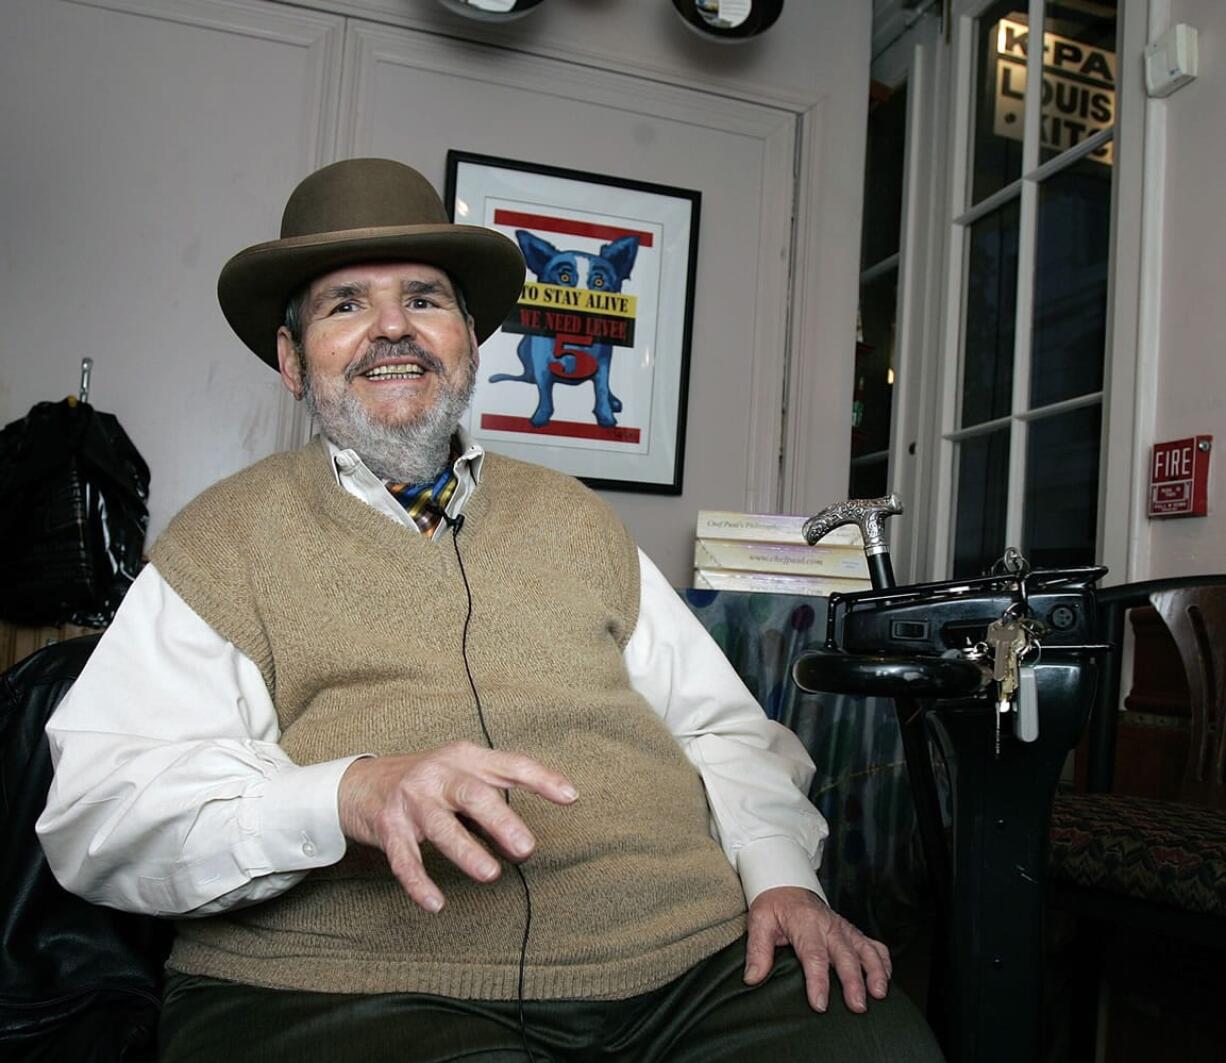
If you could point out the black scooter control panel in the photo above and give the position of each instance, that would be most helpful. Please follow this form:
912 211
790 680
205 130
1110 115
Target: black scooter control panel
929 619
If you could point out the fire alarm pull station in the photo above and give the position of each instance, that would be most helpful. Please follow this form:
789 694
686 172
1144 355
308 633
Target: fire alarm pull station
1179 478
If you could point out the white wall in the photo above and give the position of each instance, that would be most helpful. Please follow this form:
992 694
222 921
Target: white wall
171 131
1190 385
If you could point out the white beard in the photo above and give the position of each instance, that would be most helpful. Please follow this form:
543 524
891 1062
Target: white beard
410 452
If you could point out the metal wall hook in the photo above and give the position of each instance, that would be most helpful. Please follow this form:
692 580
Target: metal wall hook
87 365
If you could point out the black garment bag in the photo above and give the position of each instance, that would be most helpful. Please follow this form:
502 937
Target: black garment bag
73 515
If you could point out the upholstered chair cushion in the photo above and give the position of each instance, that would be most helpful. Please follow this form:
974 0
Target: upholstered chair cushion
1160 851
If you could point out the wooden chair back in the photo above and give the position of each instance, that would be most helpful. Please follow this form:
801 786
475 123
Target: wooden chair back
1196 618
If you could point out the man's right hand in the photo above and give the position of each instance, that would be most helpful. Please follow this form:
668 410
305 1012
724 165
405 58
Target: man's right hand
395 803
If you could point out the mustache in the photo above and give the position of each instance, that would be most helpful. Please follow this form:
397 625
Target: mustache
381 350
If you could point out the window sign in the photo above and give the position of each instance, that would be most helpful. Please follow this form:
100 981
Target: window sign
1078 89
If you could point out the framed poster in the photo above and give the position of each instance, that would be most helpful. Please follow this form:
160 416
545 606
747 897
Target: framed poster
589 372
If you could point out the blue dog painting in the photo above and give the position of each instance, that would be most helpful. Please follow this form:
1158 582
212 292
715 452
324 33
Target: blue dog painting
549 360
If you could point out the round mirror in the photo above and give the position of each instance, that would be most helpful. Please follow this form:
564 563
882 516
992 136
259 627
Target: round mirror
729 20
490 10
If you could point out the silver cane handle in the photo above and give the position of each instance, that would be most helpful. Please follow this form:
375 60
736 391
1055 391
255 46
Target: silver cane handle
868 514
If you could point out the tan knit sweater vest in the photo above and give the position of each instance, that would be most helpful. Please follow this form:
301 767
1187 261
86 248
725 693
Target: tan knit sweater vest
356 623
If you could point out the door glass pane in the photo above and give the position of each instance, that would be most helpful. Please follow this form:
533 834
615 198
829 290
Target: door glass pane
1061 501
868 478
883 175
991 302
881 229
874 375
1079 75
983 482
1000 89
1070 283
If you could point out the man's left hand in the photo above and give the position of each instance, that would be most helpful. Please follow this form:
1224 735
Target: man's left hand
789 915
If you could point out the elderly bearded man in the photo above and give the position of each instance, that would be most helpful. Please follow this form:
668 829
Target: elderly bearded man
423 753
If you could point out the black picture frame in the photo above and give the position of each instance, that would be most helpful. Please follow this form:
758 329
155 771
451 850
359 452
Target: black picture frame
606 315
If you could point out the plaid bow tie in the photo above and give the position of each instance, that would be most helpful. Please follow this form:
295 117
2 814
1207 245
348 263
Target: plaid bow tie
425 502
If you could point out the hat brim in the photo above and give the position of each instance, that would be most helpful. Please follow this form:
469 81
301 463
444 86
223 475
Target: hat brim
256 284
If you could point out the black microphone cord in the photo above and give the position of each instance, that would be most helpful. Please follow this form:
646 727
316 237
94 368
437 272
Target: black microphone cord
455 524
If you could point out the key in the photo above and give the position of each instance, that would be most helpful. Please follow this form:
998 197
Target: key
1001 634
1007 639
1027 722
1006 689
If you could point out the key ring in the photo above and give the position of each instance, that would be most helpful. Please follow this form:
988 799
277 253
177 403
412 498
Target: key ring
1013 563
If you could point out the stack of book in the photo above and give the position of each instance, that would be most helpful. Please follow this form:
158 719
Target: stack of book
768 552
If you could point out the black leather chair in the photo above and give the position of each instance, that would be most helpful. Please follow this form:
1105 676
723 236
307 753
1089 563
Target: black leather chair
78 982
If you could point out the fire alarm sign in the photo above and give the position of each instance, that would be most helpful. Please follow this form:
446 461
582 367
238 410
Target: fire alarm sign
1179 478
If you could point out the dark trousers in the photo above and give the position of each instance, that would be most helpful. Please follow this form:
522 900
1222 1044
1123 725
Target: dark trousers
708 1015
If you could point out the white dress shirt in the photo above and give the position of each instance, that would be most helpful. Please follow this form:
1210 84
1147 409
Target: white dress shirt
171 795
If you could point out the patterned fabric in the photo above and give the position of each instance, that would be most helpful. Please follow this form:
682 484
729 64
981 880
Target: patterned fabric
426 502
1158 851
872 867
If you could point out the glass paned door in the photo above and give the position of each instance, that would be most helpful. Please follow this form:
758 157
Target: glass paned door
1024 421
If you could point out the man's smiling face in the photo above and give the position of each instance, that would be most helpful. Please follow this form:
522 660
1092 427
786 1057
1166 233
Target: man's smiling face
387 364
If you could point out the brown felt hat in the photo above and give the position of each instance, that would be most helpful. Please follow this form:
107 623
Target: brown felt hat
365 210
